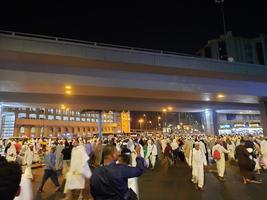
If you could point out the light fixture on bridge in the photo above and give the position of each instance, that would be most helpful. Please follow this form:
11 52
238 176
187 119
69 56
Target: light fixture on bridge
68 87
170 108
220 96
68 92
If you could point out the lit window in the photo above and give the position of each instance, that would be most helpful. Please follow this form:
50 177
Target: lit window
33 130
78 119
22 115
41 116
50 117
58 117
83 119
32 116
88 119
22 130
65 118
72 118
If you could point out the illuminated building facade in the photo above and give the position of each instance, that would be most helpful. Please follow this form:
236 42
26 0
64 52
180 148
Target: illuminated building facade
43 122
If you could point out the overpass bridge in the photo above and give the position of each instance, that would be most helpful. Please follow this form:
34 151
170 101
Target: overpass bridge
35 70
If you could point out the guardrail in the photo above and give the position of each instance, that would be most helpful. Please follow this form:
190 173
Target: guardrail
98 44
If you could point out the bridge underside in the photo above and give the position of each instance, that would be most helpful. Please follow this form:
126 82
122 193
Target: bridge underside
35 79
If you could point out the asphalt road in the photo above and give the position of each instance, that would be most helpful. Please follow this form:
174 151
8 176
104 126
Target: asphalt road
175 184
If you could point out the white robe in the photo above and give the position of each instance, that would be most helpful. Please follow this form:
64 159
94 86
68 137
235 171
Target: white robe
264 152
231 149
134 155
197 160
11 153
25 189
220 163
79 169
133 184
152 152
28 159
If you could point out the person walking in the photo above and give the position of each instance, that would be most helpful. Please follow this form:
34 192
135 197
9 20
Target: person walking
246 164
28 159
151 154
79 170
50 170
197 160
218 152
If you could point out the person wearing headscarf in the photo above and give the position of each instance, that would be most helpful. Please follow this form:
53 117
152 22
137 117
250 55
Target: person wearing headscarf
11 154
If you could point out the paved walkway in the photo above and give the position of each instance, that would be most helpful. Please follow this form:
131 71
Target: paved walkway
175 184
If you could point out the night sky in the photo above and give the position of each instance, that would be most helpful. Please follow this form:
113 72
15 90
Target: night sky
183 25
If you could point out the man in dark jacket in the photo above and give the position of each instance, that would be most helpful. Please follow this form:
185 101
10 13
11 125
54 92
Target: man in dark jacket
110 182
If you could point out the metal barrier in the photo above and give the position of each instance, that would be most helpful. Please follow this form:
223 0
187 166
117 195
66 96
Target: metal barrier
99 44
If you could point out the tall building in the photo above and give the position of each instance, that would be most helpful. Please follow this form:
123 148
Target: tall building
237 49
43 122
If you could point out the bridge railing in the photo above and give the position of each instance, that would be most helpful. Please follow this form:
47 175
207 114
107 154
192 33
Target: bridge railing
99 44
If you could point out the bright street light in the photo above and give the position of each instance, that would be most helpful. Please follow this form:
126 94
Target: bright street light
170 108
220 96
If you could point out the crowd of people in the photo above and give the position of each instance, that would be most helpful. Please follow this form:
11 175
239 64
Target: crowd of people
119 160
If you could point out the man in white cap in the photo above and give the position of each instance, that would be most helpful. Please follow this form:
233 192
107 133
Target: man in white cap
197 160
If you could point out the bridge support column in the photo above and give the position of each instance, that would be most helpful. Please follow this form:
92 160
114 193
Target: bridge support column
210 122
37 132
263 107
27 131
1 117
46 132
100 124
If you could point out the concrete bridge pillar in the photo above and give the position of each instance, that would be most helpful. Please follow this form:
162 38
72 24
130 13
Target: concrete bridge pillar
210 121
263 109
100 124
1 116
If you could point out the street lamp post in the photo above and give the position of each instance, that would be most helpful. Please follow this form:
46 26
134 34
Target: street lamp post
145 120
159 118
165 110
140 123
223 15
